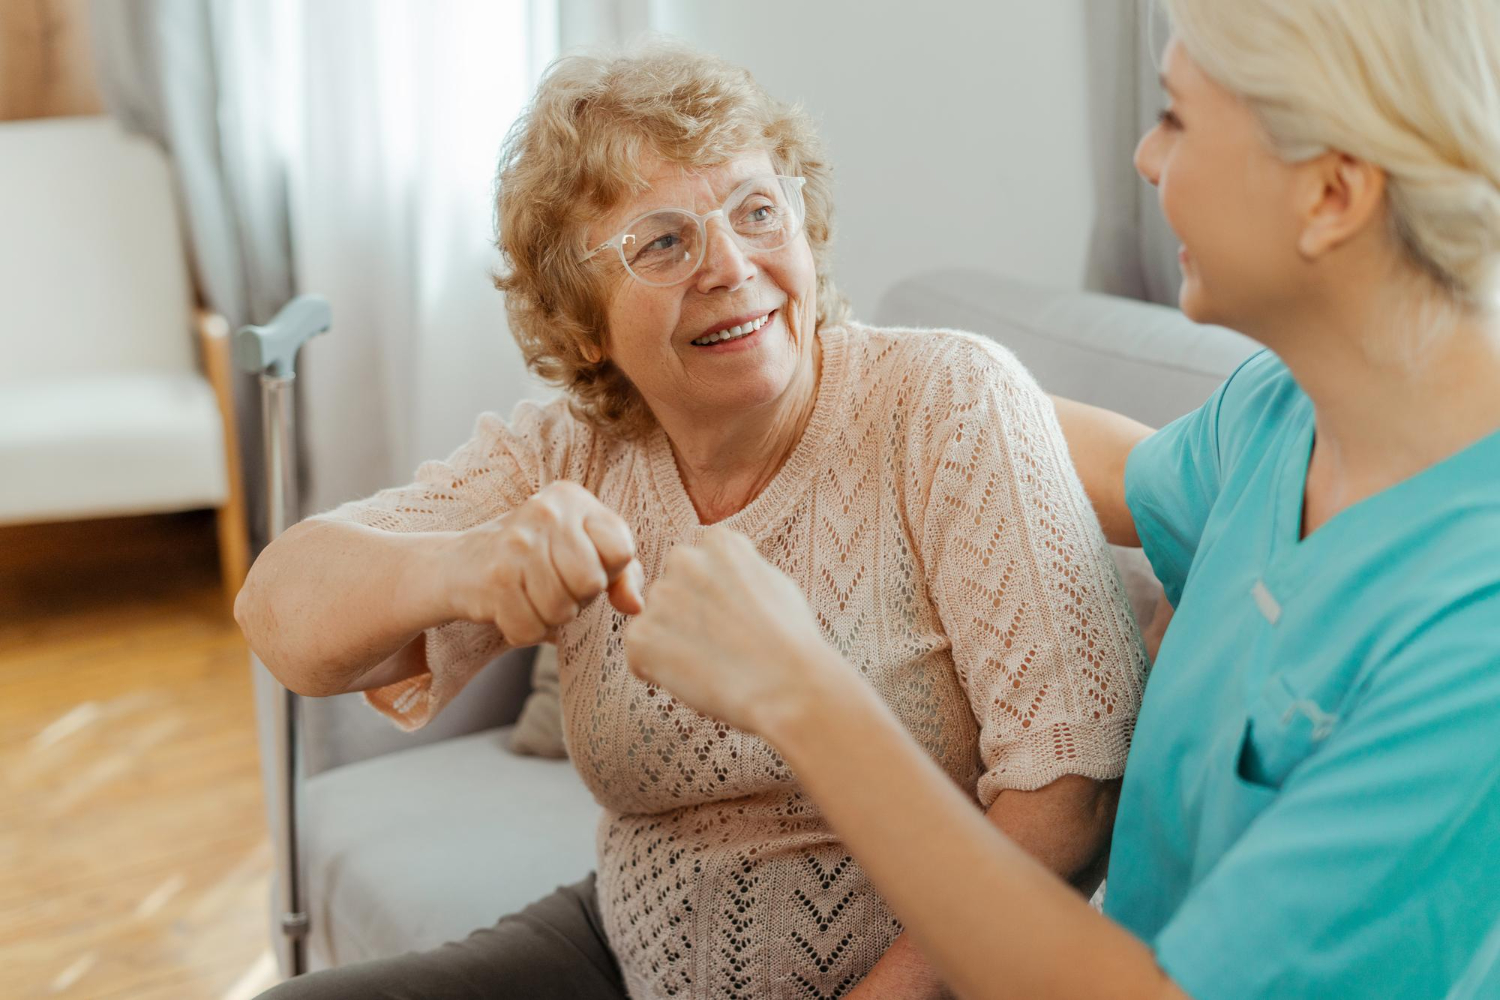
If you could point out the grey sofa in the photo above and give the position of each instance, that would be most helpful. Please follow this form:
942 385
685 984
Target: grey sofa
412 840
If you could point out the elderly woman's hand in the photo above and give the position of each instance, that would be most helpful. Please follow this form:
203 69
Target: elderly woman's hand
729 634
536 567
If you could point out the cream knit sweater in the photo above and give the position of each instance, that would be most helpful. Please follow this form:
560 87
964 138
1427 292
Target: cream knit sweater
932 518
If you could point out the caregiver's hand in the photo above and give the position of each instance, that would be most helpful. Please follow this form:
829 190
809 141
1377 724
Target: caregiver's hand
731 635
536 567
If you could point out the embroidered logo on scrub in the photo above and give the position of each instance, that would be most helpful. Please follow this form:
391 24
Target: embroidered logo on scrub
1322 722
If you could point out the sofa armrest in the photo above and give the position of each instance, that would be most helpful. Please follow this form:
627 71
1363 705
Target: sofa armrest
343 729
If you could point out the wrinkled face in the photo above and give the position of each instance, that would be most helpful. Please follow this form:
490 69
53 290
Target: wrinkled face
1228 198
656 334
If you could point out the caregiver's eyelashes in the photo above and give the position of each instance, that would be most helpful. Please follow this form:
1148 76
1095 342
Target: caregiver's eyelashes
1167 118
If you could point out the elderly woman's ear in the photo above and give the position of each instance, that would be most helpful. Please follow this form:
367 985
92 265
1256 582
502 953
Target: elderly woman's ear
592 353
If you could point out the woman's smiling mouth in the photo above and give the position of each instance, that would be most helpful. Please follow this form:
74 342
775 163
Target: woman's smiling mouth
737 332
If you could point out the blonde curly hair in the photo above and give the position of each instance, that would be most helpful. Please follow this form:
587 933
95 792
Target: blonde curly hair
576 153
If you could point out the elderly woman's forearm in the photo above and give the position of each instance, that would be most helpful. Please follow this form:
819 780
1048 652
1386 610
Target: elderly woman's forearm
1065 825
328 603
1099 443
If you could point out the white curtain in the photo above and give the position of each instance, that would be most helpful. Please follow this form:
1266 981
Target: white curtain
396 111
1132 252
192 77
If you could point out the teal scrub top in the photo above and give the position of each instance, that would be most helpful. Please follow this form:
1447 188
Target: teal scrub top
1311 806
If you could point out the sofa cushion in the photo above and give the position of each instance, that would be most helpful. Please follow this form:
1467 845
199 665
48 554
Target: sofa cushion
344 729
112 444
412 849
1146 361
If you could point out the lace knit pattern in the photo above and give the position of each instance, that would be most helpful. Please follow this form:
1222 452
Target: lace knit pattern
932 518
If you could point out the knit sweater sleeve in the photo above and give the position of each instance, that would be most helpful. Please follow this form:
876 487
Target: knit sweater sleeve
500 467
1044 643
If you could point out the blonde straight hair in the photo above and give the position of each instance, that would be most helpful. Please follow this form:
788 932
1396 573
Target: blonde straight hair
1411 86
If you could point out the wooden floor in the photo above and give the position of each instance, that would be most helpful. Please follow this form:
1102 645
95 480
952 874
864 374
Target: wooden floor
133 851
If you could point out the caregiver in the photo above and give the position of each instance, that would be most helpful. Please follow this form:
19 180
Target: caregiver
1311 805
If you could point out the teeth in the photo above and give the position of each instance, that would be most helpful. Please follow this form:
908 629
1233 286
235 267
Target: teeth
734 332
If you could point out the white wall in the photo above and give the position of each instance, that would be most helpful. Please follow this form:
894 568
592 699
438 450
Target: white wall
959 129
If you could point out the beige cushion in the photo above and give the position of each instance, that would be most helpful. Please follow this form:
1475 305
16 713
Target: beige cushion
539 730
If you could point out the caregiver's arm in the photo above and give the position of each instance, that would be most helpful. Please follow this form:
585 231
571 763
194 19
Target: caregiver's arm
1041 643
333 606
1100 442
993 920
1064 825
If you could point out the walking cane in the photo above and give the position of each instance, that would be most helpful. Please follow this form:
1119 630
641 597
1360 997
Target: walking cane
270 351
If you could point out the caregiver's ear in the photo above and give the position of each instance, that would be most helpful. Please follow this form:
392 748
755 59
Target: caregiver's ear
1339 195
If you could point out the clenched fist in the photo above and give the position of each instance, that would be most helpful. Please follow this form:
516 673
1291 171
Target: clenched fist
729 634
538 566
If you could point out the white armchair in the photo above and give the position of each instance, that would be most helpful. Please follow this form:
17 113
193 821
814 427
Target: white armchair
114 392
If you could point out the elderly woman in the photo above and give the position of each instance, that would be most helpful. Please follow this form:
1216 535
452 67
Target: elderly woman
665 227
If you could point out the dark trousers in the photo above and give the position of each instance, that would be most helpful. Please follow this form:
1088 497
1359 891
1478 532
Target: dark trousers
552 950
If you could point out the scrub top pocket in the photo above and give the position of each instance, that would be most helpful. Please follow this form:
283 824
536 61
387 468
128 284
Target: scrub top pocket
1283 729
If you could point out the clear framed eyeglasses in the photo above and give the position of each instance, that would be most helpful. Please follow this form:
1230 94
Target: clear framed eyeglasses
666 247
